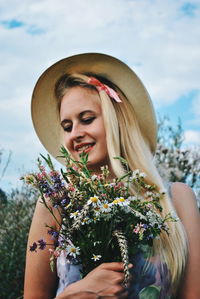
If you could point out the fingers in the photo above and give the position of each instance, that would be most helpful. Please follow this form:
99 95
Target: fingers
114 266
114 293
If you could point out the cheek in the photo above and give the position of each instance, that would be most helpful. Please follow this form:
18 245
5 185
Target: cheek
102 139
66 142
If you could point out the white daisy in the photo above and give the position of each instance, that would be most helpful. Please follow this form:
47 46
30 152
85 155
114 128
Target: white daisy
86 220
105 207
96 257
94 201
135 174
74 215
73 251
123 202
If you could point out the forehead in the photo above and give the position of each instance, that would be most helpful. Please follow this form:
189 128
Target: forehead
77 99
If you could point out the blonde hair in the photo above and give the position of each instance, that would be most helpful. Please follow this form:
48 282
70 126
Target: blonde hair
125 139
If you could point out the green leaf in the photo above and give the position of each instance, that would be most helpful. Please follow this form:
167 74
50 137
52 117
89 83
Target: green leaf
150 292
48 161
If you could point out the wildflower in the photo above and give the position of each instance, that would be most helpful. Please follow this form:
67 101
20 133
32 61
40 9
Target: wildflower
30 179
64 201
86 220
75 168
94 177
105 208
42 168
142 175
149 194
153 218
115 202
97 211
73 251
33 247
149 206
119 185
42 244
54 234
122 201
74 215
96 257
94 201
55 253
71 188
97 243
103 194
139 229
135 174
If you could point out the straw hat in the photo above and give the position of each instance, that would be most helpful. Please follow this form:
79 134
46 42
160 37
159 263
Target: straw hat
44 109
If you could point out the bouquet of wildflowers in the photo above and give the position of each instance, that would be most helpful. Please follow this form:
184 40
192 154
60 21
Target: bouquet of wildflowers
102 221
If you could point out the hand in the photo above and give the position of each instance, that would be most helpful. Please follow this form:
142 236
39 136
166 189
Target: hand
103 282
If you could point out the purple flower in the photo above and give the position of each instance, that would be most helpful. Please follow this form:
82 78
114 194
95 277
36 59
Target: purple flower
64 201
33 247
54 234
45 188
41 244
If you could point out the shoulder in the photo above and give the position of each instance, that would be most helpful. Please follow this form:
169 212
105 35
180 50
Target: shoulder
185 203
186 207
184 200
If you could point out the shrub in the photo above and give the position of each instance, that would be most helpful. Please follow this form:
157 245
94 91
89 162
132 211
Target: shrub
15 218
175 161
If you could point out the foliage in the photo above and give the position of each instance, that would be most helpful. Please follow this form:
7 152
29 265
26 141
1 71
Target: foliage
175 161
3 196
15 218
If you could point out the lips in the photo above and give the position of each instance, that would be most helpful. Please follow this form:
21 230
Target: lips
86 147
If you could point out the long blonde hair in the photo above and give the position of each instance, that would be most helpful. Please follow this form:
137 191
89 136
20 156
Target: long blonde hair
125 139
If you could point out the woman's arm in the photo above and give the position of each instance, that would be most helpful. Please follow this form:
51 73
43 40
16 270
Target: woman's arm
187 210
40 281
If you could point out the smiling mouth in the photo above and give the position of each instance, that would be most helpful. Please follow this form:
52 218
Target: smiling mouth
85 147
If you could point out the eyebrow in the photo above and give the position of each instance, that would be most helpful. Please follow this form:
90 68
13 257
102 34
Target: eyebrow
81 114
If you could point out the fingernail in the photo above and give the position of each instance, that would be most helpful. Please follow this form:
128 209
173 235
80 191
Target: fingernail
130 266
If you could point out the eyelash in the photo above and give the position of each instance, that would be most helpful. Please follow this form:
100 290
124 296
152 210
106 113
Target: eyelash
86 121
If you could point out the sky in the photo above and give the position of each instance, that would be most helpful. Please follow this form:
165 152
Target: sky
158 39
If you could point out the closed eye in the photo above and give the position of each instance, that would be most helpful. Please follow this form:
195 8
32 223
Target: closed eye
67 128
88 120
85 121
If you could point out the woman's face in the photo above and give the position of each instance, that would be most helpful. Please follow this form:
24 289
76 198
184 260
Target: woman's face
82 122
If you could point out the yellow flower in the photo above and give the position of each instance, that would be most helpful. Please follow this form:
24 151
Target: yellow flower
115 201
121 199
94 199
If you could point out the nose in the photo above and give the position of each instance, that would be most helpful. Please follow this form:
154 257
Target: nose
77 133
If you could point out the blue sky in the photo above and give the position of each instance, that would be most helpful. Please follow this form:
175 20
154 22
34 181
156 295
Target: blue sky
159 39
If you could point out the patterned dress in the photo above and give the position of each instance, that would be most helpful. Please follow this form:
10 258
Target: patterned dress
151 279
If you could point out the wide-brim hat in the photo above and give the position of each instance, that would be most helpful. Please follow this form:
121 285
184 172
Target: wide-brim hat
44 107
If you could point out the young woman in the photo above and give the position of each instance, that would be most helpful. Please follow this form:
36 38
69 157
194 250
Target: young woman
95 103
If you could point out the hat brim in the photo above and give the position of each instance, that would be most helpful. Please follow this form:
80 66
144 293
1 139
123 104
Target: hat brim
44 106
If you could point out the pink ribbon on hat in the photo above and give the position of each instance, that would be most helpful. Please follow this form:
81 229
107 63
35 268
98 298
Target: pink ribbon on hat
100 86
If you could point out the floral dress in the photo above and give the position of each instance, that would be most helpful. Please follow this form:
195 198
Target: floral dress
150 280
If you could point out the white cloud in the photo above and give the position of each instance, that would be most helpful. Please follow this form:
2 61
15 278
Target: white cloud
192 137
160 40
196 109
